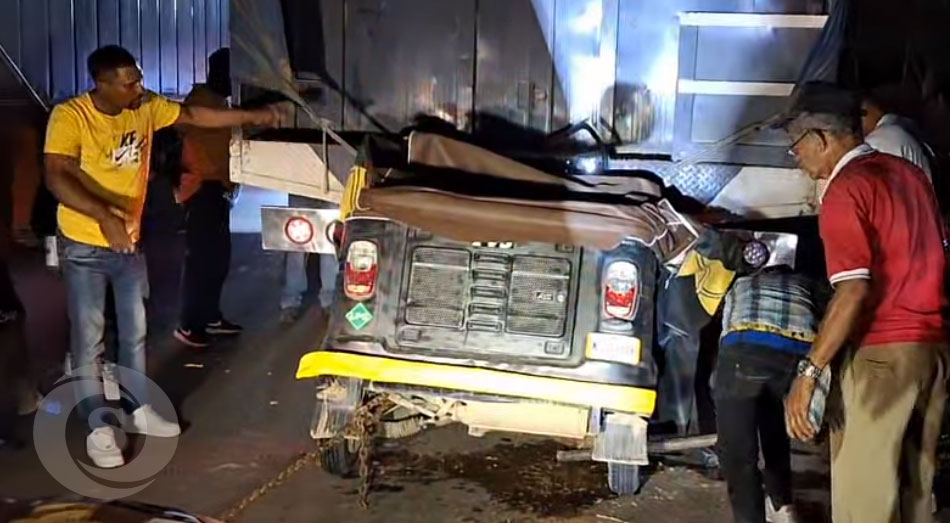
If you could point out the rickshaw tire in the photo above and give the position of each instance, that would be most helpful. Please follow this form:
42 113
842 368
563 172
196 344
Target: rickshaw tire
341 458
623 479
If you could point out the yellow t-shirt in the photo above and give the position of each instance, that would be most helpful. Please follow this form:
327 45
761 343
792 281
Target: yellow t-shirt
113 151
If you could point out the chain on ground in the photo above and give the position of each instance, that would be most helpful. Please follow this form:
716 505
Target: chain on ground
363 428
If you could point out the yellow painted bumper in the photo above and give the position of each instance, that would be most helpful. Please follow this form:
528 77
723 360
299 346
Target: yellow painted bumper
476 380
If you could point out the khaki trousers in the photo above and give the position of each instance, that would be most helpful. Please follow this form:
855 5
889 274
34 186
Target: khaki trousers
883 456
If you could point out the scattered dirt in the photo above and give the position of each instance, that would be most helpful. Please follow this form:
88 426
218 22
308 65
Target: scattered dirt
524 477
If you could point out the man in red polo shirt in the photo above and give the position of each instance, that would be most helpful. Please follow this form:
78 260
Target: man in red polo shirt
885 258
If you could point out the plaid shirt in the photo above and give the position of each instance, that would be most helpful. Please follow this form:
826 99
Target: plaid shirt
775 308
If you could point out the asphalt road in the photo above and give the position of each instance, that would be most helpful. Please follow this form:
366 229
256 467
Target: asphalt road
246 421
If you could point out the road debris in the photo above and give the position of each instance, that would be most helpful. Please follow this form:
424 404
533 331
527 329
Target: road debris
194 365
522 476
237 509
364 427
227 466
611 518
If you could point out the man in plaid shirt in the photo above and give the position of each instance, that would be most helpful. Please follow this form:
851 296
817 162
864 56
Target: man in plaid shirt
769 322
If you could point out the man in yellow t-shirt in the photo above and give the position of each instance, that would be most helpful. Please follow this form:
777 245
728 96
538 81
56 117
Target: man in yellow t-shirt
97 161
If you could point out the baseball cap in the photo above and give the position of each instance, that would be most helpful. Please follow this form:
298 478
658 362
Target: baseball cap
819 105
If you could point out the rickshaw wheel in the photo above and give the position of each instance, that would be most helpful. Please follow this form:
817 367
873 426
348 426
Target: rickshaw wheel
623 479
341 458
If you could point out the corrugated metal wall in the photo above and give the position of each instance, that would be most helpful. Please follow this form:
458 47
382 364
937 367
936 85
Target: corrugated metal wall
50 40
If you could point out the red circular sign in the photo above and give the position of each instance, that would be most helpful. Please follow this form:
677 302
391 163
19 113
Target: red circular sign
299 230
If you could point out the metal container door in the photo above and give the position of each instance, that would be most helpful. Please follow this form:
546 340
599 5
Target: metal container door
406 57
515 72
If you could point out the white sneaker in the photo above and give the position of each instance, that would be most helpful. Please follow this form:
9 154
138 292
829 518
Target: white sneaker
785 514
146 421
103 449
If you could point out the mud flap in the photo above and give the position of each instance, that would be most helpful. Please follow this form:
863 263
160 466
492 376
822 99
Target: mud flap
623 440
623 479
337 400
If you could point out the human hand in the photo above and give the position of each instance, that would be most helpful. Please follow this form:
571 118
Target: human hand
268 116
796 409
116 233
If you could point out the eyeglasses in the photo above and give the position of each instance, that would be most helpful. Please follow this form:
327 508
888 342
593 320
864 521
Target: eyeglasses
791 148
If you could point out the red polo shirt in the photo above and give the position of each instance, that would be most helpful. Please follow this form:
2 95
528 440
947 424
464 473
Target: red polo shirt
879 221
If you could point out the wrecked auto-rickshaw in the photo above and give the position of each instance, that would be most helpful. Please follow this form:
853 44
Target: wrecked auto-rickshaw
479 290
552 287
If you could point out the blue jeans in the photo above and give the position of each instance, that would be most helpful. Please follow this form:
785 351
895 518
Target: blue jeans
88 271
296 282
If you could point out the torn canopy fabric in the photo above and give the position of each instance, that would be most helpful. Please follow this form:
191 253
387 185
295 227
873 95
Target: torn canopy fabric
465 193
470 219
502 204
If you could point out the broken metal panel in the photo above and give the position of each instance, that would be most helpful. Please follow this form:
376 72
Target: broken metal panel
515 73
406 57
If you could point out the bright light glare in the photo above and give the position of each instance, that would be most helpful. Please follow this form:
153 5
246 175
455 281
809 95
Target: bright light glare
590 19
588 165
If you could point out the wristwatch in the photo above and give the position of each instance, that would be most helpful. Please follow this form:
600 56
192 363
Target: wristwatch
808 369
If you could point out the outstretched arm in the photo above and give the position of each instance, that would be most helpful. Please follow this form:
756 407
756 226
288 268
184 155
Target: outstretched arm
216 118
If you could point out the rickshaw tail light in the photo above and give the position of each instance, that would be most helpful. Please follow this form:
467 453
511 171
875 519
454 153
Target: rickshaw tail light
362 270
621 287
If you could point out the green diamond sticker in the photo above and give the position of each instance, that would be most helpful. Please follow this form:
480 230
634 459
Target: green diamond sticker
359 316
